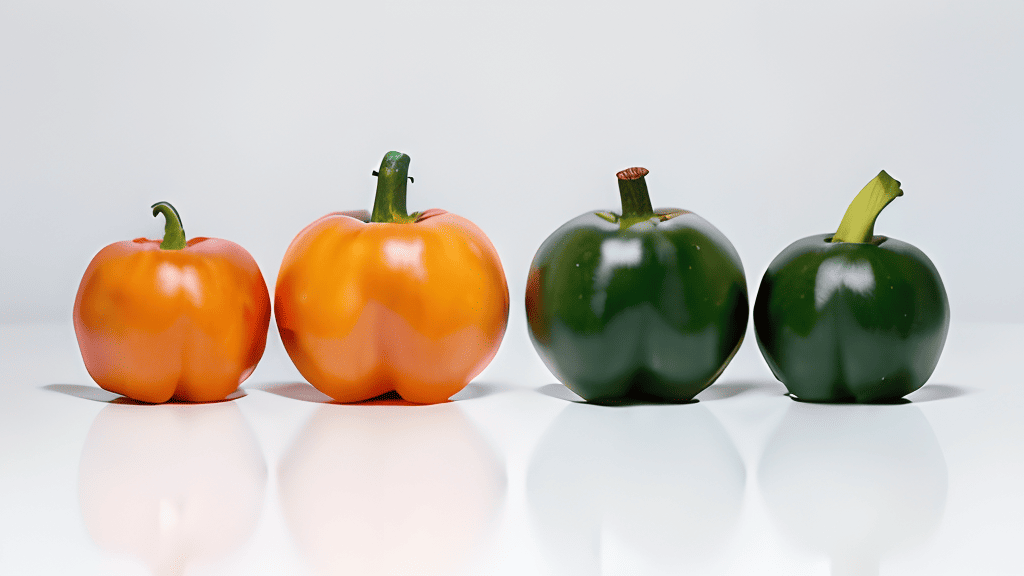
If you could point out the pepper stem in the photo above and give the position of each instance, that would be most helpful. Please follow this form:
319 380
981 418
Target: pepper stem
392 180
636 201
174 234
858 224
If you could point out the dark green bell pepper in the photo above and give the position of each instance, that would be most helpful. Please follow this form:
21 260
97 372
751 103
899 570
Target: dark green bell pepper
646 305
850 316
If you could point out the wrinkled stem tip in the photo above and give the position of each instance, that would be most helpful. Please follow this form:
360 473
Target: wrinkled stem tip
632 173
174 234
889 180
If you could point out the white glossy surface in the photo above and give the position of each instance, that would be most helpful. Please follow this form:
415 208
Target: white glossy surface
513 477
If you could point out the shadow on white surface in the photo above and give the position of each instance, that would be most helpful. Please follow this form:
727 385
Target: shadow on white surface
97 394
651 489
729 389
305 392
171 485
929 393
484 389
561 392
93 393
933 392
855 482
294 390
718 391
383 490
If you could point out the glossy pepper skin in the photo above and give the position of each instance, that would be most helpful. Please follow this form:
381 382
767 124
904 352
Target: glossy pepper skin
186 323
415 304
844 321
640 306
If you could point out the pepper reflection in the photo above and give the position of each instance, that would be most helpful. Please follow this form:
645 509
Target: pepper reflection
854 482
663 485
374 489
172 485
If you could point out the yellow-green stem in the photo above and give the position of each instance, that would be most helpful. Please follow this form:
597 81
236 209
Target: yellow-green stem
858 223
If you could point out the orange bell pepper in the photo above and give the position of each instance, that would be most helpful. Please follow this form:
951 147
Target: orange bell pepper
415 304
157 320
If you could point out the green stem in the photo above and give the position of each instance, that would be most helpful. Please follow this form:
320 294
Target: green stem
636 201
858 224
174 234
392 180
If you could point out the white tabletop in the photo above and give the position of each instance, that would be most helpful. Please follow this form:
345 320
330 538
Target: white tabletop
513 477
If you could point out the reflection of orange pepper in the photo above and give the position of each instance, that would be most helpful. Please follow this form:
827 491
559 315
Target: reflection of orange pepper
173 319
412 303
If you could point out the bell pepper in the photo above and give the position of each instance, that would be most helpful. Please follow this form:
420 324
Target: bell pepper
411 303
646 305
851 316
172 319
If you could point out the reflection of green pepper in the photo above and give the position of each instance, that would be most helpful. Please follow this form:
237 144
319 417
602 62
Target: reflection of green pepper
646 305
851 316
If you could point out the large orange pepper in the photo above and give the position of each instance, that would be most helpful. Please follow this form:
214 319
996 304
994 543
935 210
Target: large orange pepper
415 304
167 319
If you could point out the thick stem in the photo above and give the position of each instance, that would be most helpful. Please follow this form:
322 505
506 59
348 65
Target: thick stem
636 201
174 234
858 224
392 180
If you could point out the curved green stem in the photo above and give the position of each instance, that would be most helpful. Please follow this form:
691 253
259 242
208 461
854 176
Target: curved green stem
174 234
636 201
392 180
858 223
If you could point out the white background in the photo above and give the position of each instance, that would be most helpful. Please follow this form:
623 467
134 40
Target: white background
254 118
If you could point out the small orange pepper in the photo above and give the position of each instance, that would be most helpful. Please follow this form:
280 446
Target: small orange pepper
160 320
415 304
